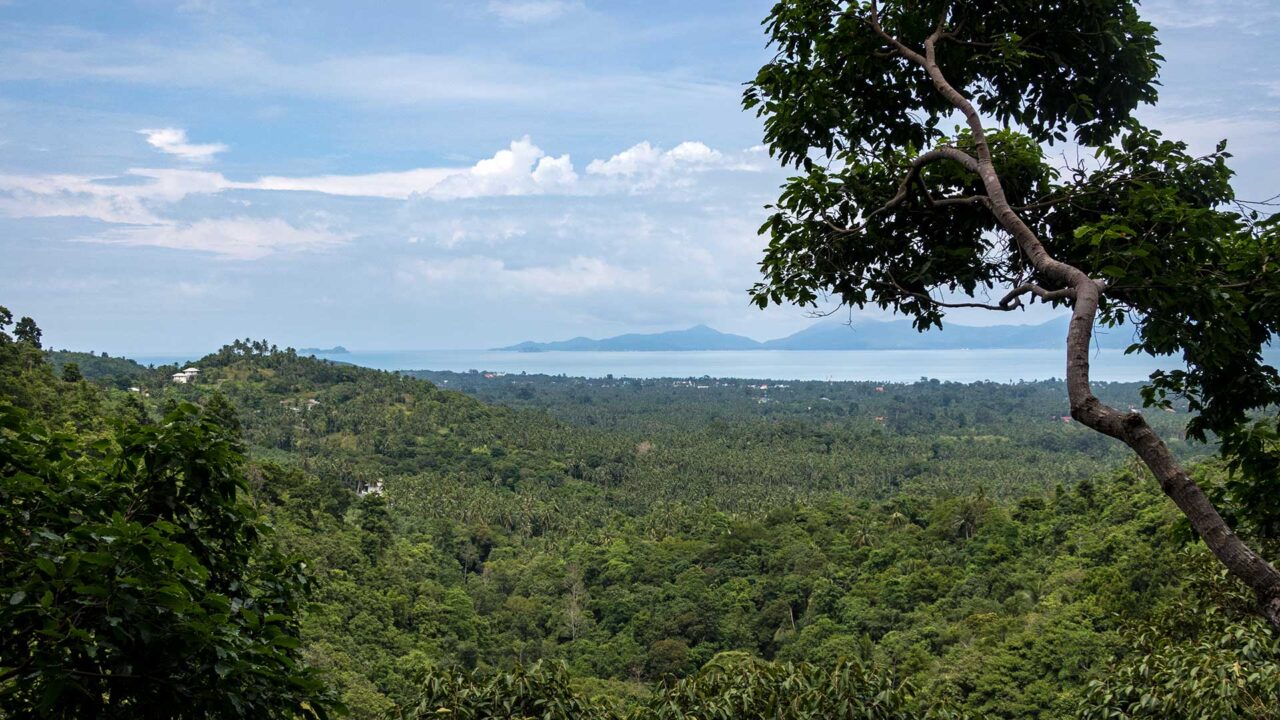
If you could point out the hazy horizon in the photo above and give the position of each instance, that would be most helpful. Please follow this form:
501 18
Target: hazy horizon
329 344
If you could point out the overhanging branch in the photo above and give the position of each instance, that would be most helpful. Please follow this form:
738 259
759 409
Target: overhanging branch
945 152
1011 301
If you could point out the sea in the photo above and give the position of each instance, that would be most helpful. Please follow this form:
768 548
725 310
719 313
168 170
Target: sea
874 365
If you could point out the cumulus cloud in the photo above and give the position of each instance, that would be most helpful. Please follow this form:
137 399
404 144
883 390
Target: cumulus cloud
530 11
153 207
521 169
644 166
137 195
645 159
173 141
230 238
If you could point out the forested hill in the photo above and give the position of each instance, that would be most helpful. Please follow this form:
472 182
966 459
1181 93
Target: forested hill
629 444
971 554
101 368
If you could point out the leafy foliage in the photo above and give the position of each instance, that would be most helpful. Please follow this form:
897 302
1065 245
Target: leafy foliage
889 209
1206 656
730 687
135 582
656 525
617 549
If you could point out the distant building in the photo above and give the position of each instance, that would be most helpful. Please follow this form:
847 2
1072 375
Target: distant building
186 376
370 489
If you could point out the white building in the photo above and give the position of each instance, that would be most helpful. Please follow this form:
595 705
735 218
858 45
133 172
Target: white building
186 376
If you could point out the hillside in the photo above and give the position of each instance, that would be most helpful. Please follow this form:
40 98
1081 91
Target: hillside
960 540
654 525
114 371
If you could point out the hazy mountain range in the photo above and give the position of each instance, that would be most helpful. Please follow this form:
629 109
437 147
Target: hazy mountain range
839 335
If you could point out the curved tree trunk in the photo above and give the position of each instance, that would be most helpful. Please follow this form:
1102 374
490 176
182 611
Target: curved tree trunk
1130 428
1133 430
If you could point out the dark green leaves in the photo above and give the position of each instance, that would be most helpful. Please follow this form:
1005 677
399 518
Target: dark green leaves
1076 68
1192 274
733 686
121 562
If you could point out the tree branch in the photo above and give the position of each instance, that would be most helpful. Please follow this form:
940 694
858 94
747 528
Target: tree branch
1011 301
1130 428
944 152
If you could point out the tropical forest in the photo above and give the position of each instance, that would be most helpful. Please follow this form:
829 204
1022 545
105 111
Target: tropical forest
256 531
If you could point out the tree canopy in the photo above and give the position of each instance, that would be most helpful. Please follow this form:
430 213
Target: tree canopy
891 208
135 580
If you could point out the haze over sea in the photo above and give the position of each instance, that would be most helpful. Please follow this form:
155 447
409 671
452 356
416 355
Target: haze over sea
875 365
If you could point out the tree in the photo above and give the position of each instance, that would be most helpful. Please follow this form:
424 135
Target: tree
71 373
26 331
888 209
136 583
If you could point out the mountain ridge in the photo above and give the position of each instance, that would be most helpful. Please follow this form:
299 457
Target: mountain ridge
834 335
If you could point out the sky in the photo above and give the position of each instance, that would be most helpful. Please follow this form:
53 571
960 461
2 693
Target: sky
448 174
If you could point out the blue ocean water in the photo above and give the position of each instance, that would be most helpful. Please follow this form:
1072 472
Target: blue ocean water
875 365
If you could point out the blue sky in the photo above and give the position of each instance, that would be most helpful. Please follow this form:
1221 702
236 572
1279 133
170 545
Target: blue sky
438 174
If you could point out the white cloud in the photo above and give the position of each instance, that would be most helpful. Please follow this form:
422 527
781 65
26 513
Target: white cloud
132 197
694 153
173 141
396 185
577 276
530 11
521 169
643 158
643 166
637 158
555 172
150 207
230 238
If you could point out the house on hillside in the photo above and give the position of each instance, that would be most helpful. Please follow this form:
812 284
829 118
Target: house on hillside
186 376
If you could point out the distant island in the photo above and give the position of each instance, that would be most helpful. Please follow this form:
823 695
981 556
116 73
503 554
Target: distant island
335 350
837 335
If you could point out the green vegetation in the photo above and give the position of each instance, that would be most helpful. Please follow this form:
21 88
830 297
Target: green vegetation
286 537
118 373
135 580
624 549
918 133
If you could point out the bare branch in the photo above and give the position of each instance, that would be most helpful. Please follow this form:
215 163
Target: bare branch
944 152
1011 301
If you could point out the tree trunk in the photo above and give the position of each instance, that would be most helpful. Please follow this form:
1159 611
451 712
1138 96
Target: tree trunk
1133 430
1085 292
